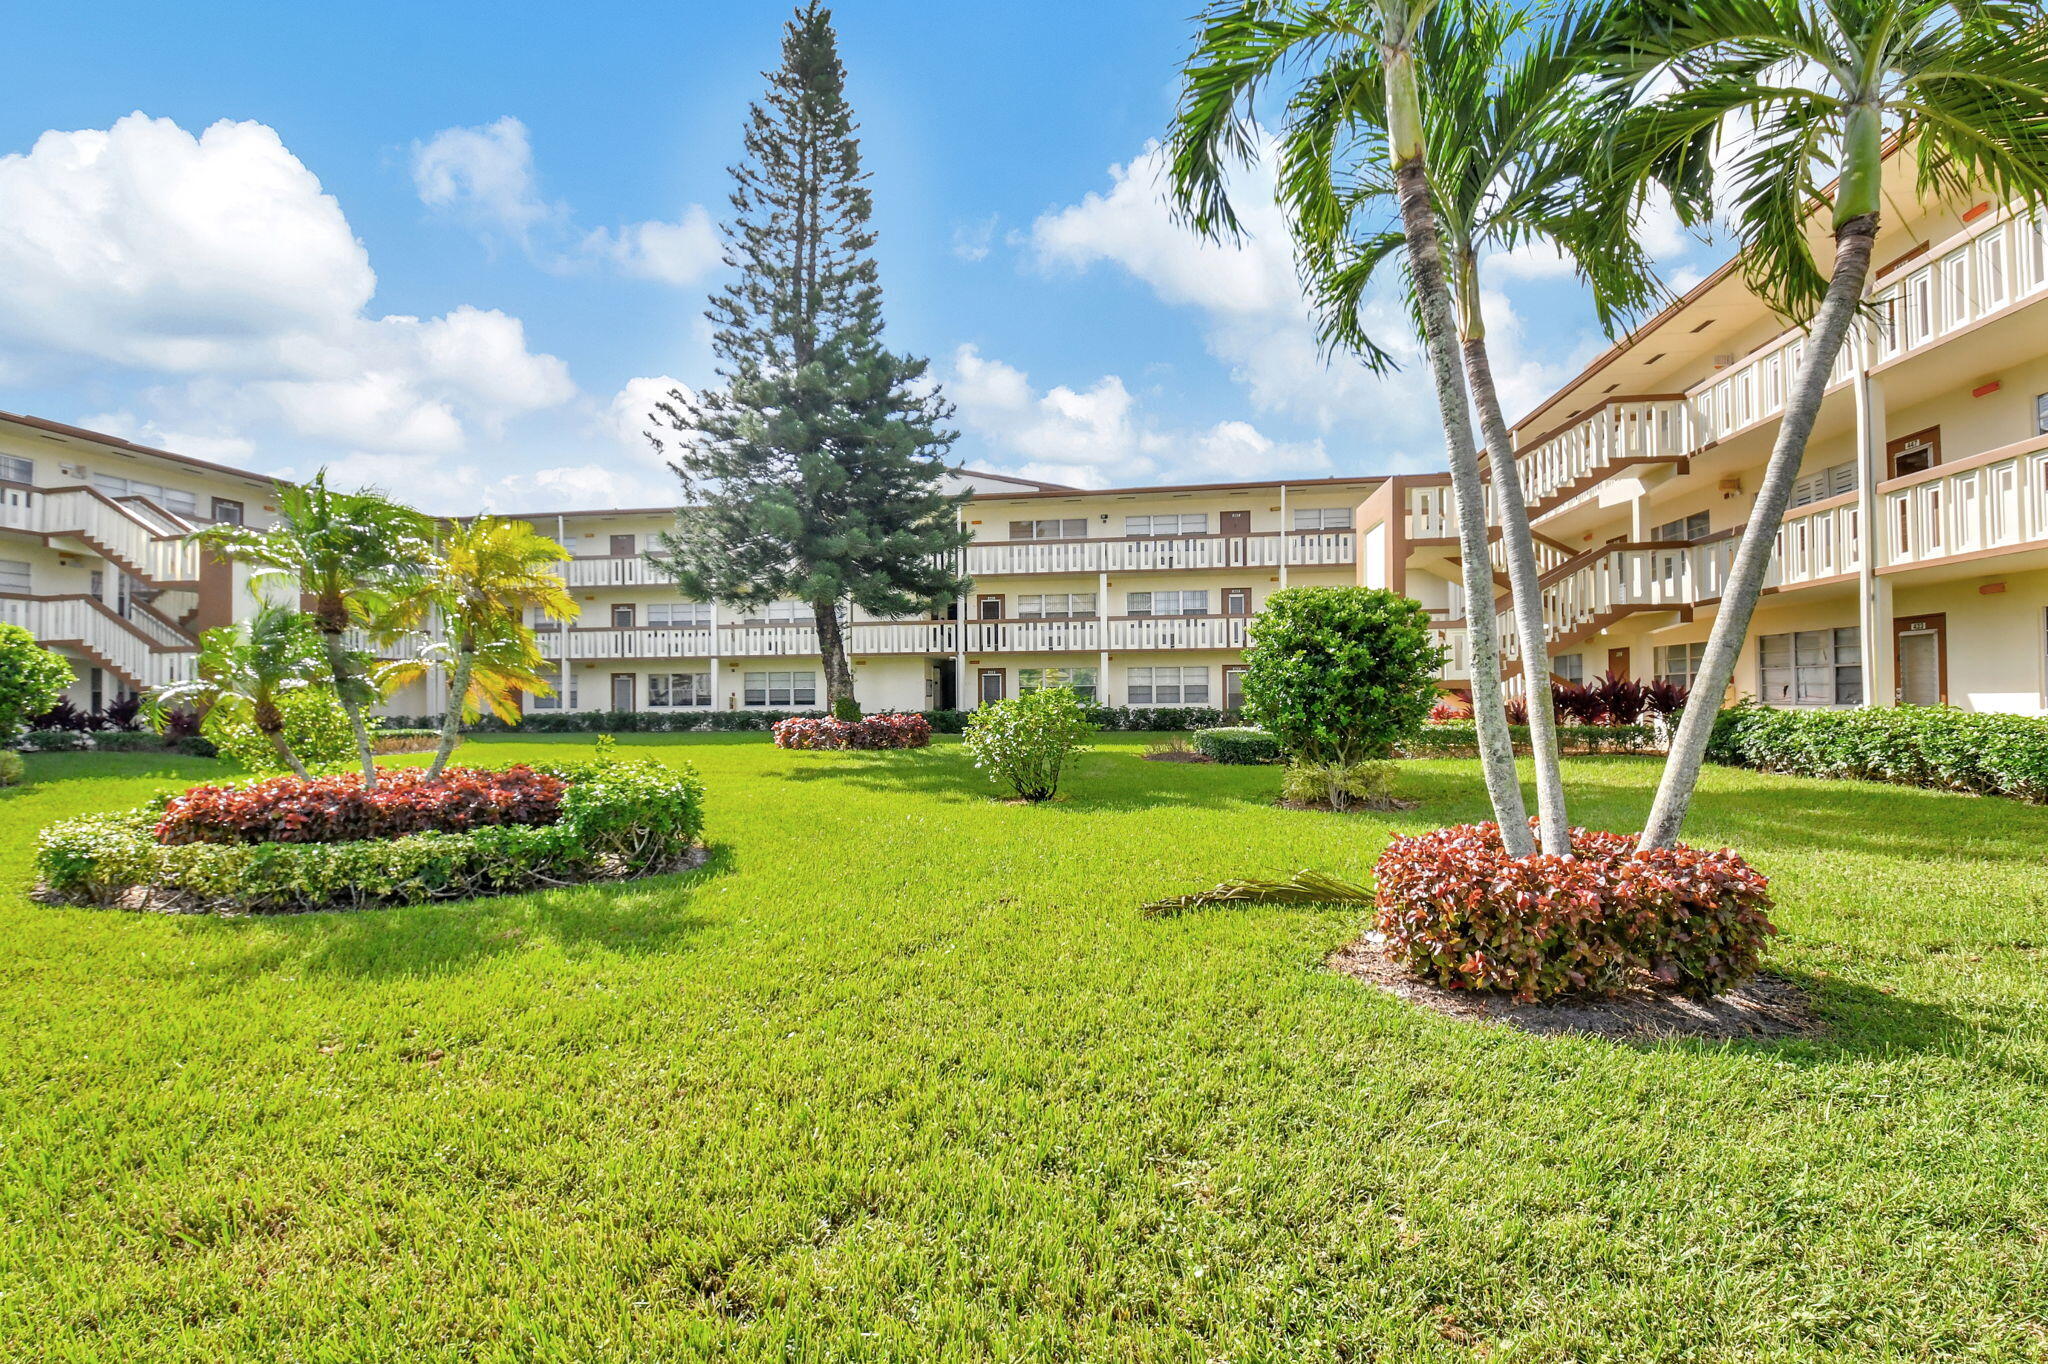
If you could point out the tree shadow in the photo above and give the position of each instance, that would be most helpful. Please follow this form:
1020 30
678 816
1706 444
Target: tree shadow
1110 781
447 937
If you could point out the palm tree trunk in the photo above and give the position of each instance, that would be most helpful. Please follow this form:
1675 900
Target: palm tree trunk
1426 271
270 724
344 691
1523 581
832 652
1854 239
451 721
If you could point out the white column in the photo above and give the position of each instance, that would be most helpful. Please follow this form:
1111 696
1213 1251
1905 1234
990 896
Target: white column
1102 625
961 698
716 699
1285 530
1873 591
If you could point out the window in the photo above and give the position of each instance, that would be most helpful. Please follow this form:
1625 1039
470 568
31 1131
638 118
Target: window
678 689
538 618
1233 686
1680 663
781 613
1811 668
227 511
689 614
1322 518
1237 601
552 675
14 469
13 575
1571 667
2041 415
171 499
782 689
622 615
1081 680
1055 605
1915 453
1056 528
1169 523
1832 481
1684 528
1168 686
1167 603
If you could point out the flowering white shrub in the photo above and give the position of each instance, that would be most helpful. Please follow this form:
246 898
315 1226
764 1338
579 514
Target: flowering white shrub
1026 742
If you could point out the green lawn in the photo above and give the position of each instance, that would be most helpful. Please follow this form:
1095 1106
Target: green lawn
901 1075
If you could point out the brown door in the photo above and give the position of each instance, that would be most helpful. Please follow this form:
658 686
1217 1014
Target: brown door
1237 601
1233 686
991 685
622 546
1235 523
622 615
1617 662
1920 659
622 691
991 608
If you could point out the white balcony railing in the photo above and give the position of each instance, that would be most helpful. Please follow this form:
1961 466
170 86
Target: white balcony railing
622 571
1998 263
1612 436
2000 502
1818 542
127 535
114 642
1300 549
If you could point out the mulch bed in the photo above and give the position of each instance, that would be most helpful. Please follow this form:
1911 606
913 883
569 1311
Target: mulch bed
1769 1007
1168 755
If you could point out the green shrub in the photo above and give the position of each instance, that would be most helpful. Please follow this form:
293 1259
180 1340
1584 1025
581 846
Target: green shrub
314 725
1339 785
1026 742
12 767
1340 674
846 709
617 819
1237 745
1934 746
130 741
31 680
1459 737
55 740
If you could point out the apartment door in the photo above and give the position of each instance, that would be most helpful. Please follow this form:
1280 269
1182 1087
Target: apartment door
990 608
622 615
1920 656
622 691
991 685
1237 601
1233 686
1617 662
1235 523
622 546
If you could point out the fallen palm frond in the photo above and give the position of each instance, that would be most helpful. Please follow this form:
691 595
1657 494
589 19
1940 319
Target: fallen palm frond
1303 888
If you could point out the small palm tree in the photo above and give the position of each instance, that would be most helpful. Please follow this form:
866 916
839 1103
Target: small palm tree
1510 131
1359 62
244 669
1812 86
488 576
350 553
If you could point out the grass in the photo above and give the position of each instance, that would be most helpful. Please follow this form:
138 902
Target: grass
901 1075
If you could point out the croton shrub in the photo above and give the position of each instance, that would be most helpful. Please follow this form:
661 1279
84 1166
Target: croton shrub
611 819
1461 913
884 730
335 809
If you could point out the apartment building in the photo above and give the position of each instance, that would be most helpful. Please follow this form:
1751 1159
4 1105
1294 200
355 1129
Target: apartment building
1913 566
1133 596
94 559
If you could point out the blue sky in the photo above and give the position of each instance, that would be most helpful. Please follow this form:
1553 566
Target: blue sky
454 249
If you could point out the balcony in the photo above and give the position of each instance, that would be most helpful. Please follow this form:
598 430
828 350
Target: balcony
1618 434
613 571
1994 501
1302 549
143 541
142 650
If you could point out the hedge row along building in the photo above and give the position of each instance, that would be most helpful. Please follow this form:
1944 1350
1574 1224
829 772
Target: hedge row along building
1914 567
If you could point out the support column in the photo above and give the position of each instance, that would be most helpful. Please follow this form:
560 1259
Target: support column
716 700
962 699
1102 624
1286 529
1873 591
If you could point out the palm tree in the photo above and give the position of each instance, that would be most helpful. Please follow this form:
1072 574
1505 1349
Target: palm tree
244 669
1359 62
348 553
488 575
1818 84
1509 128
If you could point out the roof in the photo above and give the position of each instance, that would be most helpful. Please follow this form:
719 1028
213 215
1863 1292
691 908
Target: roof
1351 481
69 432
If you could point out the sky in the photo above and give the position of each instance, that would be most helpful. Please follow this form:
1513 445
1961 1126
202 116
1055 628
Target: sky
457 251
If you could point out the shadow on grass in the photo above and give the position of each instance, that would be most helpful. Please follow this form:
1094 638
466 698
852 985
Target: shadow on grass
440 938
1097 781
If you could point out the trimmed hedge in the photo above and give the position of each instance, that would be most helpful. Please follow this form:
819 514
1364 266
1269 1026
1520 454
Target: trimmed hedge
1238 744
336 809
1462 914
1462 737
1933 746
881 730
618 818
1136 719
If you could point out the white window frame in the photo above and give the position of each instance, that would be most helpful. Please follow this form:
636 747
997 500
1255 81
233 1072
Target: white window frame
563 679
1322 518
1180 602
1161 524
1679 663
781 690
1167 686
1809 664
16 575
15 469
683 615
1056 606
1050 528
676 691
1571 667
1689 527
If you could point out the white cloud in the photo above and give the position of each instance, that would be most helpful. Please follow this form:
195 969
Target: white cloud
217 265
485 177
1099 436
631 417
972 240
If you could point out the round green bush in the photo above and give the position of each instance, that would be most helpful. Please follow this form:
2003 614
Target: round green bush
314 725
1026 742
12 768
1237 745
1341 674
31 680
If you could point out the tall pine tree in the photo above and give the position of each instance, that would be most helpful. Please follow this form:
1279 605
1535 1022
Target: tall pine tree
816 472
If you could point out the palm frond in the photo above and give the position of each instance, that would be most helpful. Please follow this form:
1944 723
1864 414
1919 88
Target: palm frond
1305 887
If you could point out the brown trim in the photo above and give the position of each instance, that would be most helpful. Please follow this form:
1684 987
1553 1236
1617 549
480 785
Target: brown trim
631 542
1904 258
632 681
1966 557
1928 436
1224 593
1002 677
982 599
1935 624
632 620
54 428
1586 414
113 617
1363 481
1995 455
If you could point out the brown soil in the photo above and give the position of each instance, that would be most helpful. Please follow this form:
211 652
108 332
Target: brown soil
1364 807
1170 755
1768 1007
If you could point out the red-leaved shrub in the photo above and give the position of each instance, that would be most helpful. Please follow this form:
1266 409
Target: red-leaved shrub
1450 708
338 810
1461 913
884 730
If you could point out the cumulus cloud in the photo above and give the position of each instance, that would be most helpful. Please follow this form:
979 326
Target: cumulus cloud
1100 436
484 177
972 241
630 417
215 266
